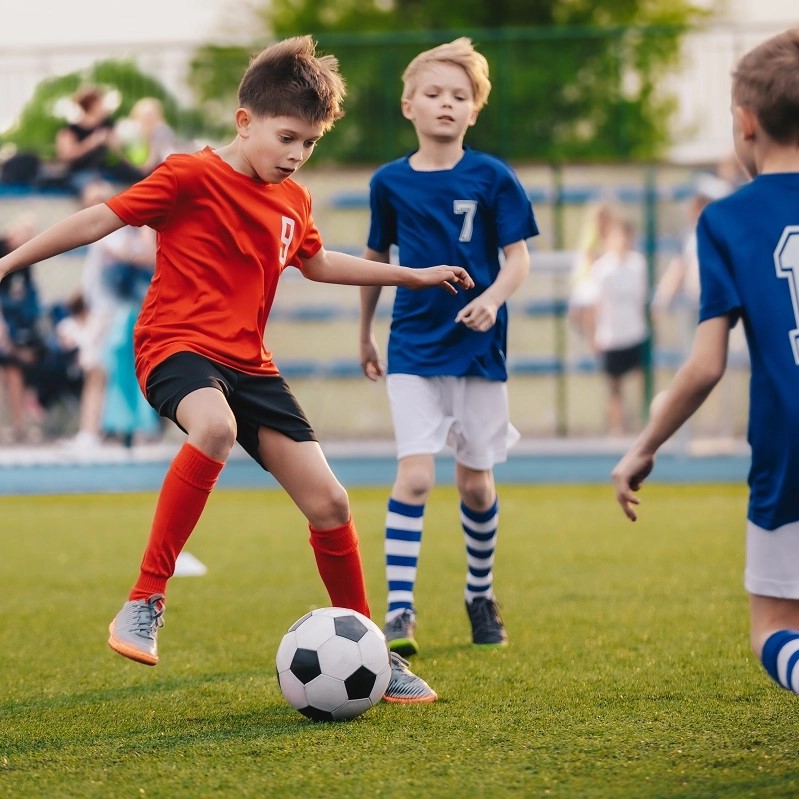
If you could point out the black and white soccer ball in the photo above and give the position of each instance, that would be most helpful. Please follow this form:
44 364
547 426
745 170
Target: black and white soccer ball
333 664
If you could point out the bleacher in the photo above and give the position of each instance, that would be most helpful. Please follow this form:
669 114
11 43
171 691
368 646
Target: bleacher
313 327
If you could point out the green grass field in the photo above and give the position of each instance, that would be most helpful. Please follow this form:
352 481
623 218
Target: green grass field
628 673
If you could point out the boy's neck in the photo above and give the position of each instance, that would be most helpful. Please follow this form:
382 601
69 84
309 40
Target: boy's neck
435 156
779 159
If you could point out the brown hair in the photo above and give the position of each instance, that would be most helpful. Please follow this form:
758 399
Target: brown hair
460 52
766 81
289 79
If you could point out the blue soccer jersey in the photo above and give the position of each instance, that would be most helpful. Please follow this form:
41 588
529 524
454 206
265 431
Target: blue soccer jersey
749 269
462 217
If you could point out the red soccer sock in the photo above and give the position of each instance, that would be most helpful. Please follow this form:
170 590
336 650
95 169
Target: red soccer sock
185 491
339 562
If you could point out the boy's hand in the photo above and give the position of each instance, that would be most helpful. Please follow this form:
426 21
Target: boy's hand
370 361
480 314
627 477
448 277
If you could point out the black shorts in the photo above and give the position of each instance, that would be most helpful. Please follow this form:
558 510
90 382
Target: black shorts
618 362
256 401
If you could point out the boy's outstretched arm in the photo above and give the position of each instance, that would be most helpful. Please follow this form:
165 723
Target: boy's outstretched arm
481 313
84 227
690 387
349 270
371 364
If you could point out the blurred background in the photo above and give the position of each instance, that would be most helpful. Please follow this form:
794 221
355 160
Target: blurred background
622 104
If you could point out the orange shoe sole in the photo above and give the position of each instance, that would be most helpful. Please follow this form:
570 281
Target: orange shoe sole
129 652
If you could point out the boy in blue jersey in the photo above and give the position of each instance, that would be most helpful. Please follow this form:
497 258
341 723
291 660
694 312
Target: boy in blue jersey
447 375
748 246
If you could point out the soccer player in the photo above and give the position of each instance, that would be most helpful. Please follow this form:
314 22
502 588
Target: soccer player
228 222
748 245
447 375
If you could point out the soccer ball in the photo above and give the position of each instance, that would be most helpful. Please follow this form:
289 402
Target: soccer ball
333 664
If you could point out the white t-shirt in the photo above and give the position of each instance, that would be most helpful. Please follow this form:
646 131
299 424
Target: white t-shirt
617 288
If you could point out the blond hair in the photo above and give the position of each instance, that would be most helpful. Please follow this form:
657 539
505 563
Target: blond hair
459 52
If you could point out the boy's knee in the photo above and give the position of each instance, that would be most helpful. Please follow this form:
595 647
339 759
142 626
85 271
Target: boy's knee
331 509
215 436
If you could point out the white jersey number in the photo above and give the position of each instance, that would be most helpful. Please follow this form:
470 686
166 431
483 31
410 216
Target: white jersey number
468 208
786 262
286 236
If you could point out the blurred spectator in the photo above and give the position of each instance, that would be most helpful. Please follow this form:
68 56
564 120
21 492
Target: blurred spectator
19 334
679 284
88 148
616 298
592 244
116 273
146 136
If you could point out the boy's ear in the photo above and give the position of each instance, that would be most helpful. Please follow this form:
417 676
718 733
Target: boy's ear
747 122
405 105
243 119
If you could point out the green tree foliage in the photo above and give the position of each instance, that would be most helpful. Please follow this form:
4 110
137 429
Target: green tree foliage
39 121
573 79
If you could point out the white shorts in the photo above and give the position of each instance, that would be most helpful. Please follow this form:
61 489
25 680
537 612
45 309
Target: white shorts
468 413
772 561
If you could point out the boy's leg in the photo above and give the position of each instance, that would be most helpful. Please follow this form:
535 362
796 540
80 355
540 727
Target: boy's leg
486 435
773 585
301 468
403 543
479 513
775 638
206 416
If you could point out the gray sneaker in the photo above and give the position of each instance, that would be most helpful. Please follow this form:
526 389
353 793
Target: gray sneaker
404 686
134 631
399 633
487 627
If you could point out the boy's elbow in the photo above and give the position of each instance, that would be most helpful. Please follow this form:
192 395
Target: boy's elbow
706 374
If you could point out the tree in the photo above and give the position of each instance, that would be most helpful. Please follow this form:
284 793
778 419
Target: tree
35 129
585 83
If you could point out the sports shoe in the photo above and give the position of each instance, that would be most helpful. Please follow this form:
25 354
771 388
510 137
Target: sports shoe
134 631
404 686
487 627
399 633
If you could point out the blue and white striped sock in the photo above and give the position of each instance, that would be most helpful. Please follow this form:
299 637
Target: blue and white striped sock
480 532
403 544
780 658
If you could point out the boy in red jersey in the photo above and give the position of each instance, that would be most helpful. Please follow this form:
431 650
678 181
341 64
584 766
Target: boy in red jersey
228 222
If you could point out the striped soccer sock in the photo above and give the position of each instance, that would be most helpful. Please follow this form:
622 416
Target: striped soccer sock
780 658
480 533
403 544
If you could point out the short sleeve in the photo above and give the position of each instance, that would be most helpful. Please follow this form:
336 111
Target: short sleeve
718 291
513 211
383 221
148 202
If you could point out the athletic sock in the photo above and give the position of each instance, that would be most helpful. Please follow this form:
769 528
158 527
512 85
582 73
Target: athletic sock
402 547
480 534
188 482
780 658
338 560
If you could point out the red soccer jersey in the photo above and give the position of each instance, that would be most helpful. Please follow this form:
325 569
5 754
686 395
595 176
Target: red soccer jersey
223 240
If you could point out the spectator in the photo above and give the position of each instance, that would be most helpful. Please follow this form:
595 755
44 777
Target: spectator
679 284
19 335
591 246
616 297
147 137
88 148
116 272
